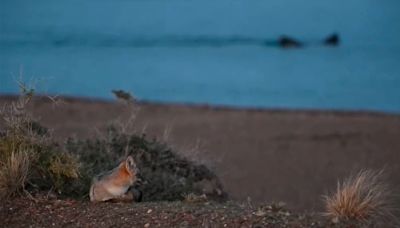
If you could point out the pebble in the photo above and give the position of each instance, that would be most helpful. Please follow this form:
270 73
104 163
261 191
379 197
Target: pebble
147 225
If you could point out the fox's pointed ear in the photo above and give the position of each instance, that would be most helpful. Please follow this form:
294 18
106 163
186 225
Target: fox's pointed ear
130 164
129 160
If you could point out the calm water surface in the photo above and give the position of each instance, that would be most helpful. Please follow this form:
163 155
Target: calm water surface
207 51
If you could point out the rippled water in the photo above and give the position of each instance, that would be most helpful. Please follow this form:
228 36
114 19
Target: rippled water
216 52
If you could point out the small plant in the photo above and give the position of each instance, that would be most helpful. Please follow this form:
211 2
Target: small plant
194 198
14 173
363 199
63 168
123 95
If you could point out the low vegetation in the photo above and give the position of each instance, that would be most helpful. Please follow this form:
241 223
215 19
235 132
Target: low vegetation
164 174
31 161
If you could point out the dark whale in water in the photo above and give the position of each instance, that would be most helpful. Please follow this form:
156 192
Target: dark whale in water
290 42
332 40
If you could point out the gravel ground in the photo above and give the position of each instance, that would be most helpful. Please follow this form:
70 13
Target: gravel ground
45 212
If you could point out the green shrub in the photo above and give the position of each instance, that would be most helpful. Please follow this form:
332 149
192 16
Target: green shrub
165 175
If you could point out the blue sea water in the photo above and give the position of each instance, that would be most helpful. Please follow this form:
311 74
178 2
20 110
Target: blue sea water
206 51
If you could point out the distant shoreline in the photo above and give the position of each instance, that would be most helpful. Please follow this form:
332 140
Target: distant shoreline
314 111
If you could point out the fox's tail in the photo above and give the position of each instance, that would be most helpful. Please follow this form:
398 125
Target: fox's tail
91 193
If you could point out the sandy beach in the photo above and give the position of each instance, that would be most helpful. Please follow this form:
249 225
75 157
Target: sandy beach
264 155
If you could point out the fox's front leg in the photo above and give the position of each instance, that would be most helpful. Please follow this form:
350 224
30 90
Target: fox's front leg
127 197
132 195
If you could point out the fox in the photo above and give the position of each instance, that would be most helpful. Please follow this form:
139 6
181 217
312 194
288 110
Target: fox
116 184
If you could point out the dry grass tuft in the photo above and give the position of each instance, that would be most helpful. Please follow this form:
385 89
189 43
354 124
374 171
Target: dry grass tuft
14 173
364 198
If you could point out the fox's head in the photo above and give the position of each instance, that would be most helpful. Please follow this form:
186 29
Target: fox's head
130 166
